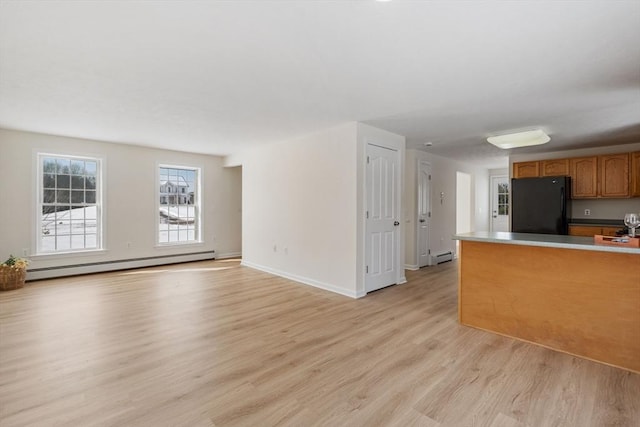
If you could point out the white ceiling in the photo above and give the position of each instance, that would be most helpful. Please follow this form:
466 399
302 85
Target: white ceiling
220 77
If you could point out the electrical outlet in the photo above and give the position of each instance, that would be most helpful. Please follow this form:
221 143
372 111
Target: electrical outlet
587 212
25 251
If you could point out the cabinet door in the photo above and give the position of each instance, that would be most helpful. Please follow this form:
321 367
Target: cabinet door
610 231
584 230
526 170
584 177
555 167
635 174
614 175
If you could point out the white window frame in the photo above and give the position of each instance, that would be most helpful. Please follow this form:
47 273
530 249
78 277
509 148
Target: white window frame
39 203
197 205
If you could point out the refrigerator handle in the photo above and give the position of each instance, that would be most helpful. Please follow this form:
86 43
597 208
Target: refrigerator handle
563 205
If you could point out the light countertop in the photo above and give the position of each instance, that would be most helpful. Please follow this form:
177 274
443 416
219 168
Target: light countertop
544 240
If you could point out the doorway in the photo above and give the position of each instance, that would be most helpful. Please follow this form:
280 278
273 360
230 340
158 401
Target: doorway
499 203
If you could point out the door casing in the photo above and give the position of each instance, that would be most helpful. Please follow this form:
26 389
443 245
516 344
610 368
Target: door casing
371 282
423 213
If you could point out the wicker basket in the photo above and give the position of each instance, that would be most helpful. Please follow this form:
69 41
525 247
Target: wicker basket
11 278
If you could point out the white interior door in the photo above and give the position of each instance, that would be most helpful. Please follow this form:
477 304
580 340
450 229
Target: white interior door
500 203
424 212
382 224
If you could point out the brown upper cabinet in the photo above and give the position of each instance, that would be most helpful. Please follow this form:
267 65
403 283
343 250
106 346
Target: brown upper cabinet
605 176
614 175
555 167
635 174
584 177
526 169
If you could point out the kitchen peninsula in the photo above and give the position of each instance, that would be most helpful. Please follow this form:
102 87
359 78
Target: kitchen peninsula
562 292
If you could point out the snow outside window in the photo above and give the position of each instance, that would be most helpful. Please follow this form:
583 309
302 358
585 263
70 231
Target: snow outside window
178 205
69 204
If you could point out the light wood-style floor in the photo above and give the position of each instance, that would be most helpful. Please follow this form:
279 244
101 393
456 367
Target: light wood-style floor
216 344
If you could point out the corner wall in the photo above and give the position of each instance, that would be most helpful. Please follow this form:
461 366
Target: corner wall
300 207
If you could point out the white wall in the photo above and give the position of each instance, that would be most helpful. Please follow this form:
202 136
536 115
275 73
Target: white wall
303 207
129 174
498 172
443 215
229 235
463 202
300 207
612 209
481 186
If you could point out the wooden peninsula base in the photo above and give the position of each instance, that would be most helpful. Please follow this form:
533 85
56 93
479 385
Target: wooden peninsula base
563 295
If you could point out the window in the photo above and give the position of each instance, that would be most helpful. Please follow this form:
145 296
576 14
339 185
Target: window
178 205
69 204
503 199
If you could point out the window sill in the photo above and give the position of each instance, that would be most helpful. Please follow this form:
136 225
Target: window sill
178 245
56 255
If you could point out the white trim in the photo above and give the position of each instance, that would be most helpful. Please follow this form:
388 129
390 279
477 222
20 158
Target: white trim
416 227
304 280
229 255
36 212
199 206
175 245
62 255
399 154
411 267
100 267
365 134
402 280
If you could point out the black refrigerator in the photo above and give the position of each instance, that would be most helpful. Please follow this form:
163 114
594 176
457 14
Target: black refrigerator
541 205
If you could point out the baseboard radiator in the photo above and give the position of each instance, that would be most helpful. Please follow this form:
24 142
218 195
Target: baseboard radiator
125 264
442 257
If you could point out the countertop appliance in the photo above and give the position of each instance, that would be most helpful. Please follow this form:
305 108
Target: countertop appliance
541 205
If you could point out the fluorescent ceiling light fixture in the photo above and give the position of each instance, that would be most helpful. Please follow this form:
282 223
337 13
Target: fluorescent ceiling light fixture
520 139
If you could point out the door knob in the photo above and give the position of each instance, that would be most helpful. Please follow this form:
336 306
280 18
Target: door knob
422 220
396 223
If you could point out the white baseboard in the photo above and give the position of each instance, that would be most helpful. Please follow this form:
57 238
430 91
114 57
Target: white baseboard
304 280
228 255
402 280
412 267
101 267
